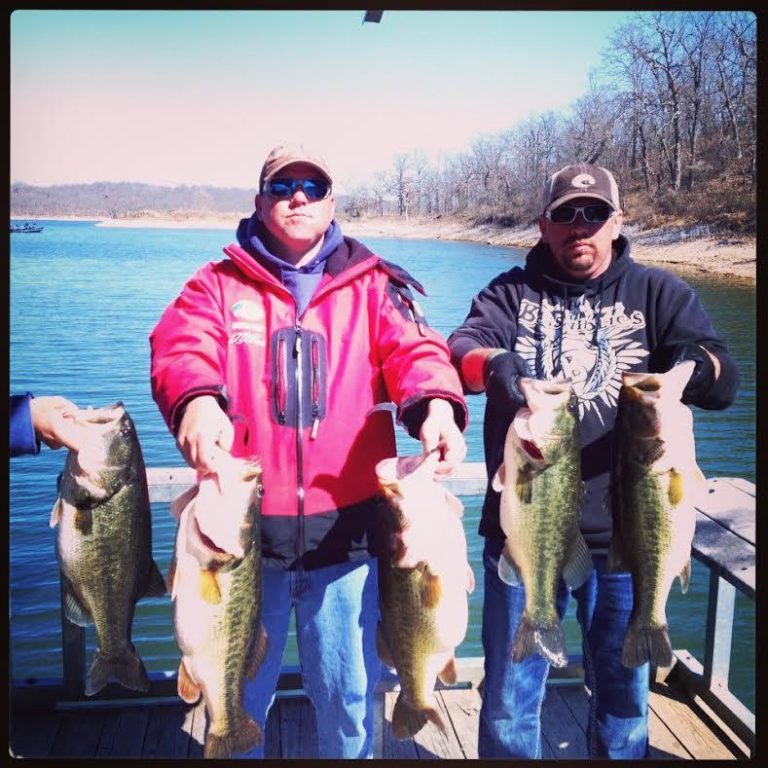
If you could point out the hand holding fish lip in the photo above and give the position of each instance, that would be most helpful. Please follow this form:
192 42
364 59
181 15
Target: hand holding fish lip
53 422
439 432
205 433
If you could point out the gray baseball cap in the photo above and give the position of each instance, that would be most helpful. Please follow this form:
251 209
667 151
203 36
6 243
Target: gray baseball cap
580 180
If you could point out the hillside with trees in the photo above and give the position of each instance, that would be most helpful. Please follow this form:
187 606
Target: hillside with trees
672 111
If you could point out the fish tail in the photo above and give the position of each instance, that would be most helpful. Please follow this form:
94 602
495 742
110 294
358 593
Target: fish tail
407 721
245 736
126 667
546 639
647 644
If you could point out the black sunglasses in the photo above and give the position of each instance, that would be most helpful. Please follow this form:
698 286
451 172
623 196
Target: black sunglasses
593 214
314 189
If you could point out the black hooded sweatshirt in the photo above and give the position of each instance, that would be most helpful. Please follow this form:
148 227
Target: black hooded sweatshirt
630 318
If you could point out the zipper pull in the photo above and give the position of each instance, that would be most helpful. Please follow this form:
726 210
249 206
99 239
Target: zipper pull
315 427
297 343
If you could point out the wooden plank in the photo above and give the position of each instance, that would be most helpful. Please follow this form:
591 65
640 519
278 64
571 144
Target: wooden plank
197 731
463 707
731 506
562 731
662 742
747 486
109 728
576 698
33 736
298 728
392 748
433 743
129 736
675 709
726 554
78 734
271 733
164 736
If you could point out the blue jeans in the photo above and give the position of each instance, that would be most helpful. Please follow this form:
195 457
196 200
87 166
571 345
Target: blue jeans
336 617
510 716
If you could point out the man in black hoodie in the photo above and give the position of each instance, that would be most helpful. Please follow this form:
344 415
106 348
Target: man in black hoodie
580 309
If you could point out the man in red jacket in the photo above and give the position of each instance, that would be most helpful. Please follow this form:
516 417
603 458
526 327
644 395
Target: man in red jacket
283 351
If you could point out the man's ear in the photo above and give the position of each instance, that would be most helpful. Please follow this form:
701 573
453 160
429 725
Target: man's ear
616 222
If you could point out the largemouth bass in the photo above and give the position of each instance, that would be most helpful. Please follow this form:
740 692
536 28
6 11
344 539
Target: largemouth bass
423 587
541 494
104 542
655 482
215 581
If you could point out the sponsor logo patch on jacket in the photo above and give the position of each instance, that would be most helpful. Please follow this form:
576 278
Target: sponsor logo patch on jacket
248 325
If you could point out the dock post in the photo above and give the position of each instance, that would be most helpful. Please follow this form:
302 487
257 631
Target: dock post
719 631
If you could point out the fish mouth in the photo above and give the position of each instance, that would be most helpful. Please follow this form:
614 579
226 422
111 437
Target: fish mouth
105 415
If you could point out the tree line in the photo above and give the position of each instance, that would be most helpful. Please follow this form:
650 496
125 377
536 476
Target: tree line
125 199
671 111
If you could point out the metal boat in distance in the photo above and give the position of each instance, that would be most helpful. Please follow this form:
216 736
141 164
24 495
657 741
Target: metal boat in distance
26 227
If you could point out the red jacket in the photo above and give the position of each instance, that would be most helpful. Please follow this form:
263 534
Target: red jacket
233 333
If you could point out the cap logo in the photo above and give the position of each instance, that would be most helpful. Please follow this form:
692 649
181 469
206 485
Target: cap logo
583 181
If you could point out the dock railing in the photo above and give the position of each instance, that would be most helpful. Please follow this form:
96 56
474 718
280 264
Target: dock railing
724 542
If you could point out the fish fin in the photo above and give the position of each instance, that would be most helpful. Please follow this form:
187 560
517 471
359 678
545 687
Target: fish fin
208 585
646 644
431 588
454 503
57 512
498 479
523 487
187 688
675 490
448 674
74 610
382 647
171 580
126 667
243 737
257 653
408 722
83 520
179 504
508 572
155 583
578 562
685 576
546 639
470 579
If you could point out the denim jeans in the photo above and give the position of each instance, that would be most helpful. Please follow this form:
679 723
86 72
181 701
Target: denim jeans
336 617
513 693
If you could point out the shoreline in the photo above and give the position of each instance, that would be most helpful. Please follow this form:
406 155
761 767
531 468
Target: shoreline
733 258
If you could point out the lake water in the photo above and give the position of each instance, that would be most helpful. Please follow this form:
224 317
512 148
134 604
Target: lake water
83 301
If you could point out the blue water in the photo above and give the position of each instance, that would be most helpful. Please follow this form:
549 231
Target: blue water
83 301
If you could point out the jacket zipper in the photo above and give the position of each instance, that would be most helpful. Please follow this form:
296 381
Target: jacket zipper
280 383
315 355
297 350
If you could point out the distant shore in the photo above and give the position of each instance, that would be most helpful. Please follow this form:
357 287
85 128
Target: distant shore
732 257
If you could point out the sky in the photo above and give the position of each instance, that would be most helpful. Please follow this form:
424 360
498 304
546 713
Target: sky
200 97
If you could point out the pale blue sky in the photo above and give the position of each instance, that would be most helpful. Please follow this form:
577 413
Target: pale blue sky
199 97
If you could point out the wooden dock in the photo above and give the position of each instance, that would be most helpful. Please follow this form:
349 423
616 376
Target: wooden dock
680 728
693 715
